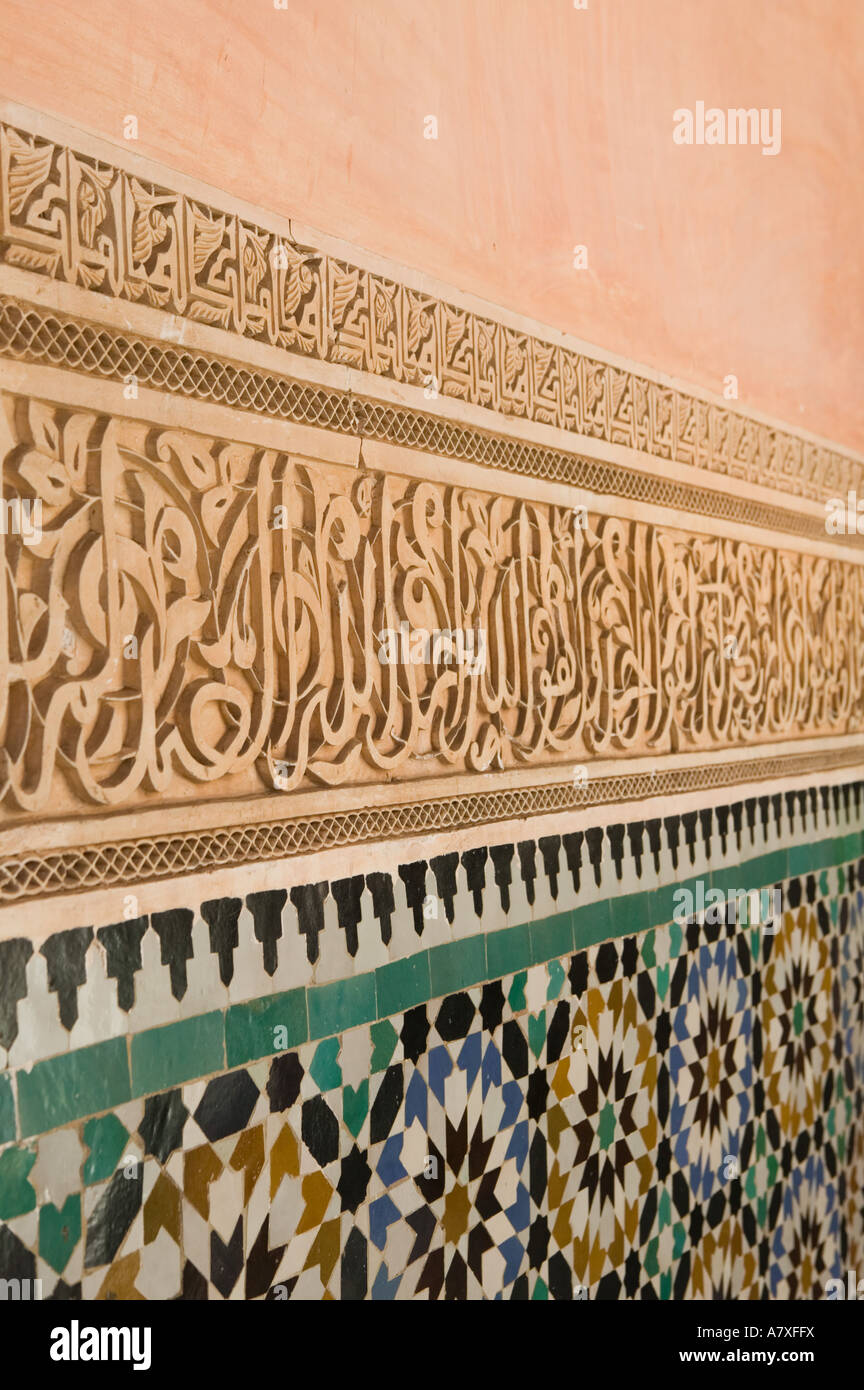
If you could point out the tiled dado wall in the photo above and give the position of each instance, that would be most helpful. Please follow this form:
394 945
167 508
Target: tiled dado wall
508 1073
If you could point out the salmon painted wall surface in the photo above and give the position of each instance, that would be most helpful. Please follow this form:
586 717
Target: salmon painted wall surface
554 129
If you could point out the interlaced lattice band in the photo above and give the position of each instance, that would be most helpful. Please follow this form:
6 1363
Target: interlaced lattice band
157 857
30 333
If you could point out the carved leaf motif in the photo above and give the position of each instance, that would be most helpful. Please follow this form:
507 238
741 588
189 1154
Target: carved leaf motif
150 226
344 291
207 236
29 167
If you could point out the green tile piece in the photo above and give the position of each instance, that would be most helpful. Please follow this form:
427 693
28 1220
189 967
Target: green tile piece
7 1109
765 870
402 984
265 1026
508 951
516 996
384 1039
324 1069
73 1085
60 1231
630 913
591 924
355 1107
557 975
106 1138
551 937
541 1292
662 907
16 1194
457 965
649 958
804 859
537 1033
342 1005
164 1057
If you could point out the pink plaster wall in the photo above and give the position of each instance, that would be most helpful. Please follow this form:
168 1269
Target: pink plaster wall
555 128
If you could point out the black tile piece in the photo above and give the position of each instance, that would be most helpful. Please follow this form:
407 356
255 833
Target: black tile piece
354 1179
354 1269
222 916
113 1215
226 1261
283 1083
432 1276
514 1048
456 1280
550 848
501 856
527 850
14 955
636 834
121 942
414 878
319 1129
67 971
706 821
492 1005
672 825
474 864
424 1224
65 1293
653 828
386 1104
688 821
479 1241
194 1288
444 868
538 1094
226 1104
162 1125
432 1187
538 1242
383 902
558 1031
266 909
414 1032
348 894
573 855
594 843
616 847
722 814
560 1279
262 1263
455 1017
16 1261
308 898
174 929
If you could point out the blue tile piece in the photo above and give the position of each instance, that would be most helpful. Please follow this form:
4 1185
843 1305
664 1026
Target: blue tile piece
491 1069
440 1067
470 1057
416 1101
382 1213
390 1168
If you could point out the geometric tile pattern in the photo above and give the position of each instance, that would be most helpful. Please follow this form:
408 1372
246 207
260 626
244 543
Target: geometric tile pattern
674 1112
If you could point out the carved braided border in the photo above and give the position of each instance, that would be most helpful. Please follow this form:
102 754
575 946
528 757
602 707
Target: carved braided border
158 857
30 333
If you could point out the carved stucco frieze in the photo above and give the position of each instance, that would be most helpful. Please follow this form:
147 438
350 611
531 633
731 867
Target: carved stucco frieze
195 609
88 222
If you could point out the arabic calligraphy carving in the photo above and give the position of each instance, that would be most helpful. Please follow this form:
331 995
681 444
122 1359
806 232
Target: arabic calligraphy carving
195 608
82 220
